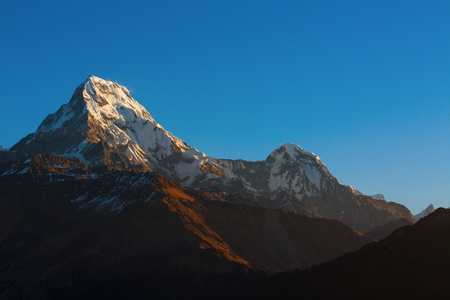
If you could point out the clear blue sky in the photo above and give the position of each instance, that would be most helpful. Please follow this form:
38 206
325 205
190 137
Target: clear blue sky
363 84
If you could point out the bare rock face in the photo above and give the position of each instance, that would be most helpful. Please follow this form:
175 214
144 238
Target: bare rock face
103 125
71 229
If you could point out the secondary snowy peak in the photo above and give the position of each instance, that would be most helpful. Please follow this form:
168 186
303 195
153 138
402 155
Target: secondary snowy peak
288 170
301 169
430 208
3 148
292 178
291 152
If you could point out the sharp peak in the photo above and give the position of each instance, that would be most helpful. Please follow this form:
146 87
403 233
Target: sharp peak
431 206
97 81
290 146
292 149
97 95
94 85
94 78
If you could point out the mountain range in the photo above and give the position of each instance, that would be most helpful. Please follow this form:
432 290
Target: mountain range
104 126
102 202
69 229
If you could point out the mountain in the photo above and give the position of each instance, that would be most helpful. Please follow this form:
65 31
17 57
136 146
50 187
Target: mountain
3 148
383 231
72 231
104 126
425 212
298 180
412 263
358 192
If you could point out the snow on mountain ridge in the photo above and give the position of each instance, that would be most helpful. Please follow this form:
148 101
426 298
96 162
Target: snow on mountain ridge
358 192
355 190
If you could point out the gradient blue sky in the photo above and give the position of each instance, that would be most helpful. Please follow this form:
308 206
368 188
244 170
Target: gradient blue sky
363 84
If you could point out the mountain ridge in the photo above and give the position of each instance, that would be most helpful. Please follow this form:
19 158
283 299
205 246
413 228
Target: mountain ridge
69 228
411 263
103 125
428 210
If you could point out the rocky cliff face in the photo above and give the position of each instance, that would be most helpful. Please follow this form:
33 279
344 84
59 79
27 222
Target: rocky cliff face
104 126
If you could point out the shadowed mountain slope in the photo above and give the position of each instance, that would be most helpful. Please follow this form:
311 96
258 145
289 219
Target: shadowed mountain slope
383 231
412 263
69 230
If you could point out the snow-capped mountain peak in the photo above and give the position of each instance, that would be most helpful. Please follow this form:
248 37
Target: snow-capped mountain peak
102 124
103 113
291 150
128 121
